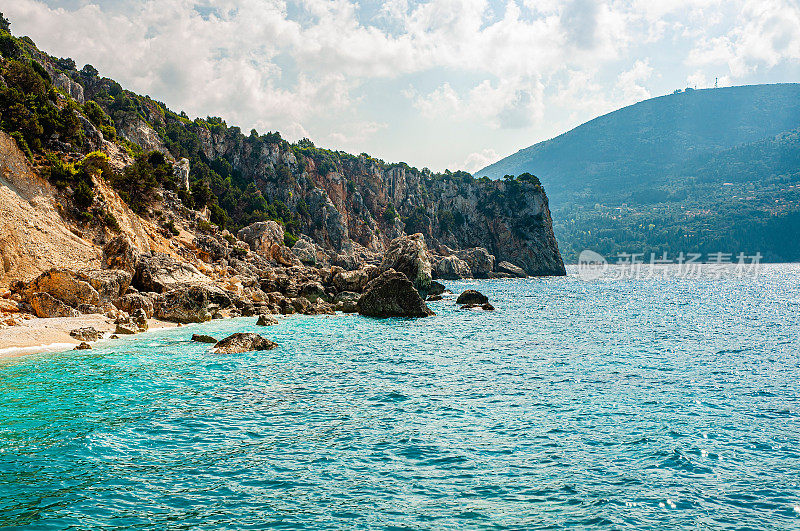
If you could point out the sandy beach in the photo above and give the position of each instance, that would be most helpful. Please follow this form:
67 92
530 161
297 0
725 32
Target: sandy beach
52 334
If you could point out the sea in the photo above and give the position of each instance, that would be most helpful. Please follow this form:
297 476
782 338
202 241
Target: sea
654 401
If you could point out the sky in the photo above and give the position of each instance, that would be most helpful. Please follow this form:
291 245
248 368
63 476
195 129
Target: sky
454 84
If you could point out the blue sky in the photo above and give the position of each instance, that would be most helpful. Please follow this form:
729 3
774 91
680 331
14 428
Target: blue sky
445 84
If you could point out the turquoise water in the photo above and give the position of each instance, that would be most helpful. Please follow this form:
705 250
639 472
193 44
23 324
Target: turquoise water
604 404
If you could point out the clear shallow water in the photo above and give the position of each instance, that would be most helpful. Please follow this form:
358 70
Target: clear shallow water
603 404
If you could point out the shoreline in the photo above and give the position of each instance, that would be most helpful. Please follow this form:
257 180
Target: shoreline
51 334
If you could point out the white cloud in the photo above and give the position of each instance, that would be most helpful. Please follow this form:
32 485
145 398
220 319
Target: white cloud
509 67
764 35
478 160
630 82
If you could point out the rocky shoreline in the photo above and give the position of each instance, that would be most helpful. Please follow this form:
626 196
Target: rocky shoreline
253 275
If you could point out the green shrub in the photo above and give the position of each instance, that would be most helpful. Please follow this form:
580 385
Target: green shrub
22 144
83 196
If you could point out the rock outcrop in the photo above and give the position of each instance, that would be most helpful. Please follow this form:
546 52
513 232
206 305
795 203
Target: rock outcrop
409 255
191 304
243 342
452 268
45 305
510 269
480 262
392 295
121 253
160 273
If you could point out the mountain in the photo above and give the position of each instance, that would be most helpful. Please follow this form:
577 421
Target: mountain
703 171
102 160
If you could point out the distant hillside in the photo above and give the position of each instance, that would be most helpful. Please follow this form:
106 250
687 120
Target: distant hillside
698 171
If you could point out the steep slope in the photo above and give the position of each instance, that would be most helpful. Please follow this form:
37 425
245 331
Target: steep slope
33 236
698 171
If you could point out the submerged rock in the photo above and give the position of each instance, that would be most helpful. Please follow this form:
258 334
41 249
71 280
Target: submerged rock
392 295
470 297
201 338
243 342
83 346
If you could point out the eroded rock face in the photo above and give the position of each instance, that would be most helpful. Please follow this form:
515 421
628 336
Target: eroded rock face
266 320
313 291
452 268
214 249
135 301
45 305
511 269
243 342
408 255
66 286
305 251
262 236
471 296
109 283
181 170
190 304
160 273
354 281
120 253
392 295
480 262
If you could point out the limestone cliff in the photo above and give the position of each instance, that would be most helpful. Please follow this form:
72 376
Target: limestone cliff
344 209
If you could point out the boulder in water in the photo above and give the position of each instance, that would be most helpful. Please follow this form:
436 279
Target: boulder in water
201 338
437 288
472 297
409 255
266 320
511 269
243 342
392 295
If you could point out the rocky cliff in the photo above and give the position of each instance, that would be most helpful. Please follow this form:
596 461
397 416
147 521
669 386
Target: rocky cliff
335 208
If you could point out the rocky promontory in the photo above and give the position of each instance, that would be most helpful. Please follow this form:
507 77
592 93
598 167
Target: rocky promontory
124 208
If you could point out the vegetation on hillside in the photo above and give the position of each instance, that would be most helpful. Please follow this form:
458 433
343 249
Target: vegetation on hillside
700 171
257 177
